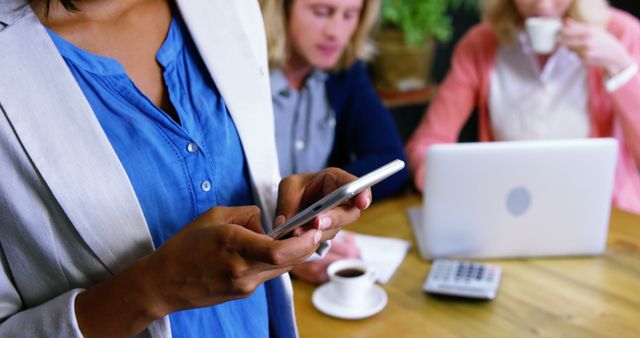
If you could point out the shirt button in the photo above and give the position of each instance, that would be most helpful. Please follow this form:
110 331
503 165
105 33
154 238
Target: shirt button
205 185
331 122
299 145
192 147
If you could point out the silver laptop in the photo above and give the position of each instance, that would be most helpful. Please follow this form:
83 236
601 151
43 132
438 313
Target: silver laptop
516 199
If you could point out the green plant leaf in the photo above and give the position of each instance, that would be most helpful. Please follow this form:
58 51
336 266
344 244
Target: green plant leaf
420 20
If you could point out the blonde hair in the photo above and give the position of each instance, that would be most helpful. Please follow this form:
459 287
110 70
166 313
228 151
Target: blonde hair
276 16
504 18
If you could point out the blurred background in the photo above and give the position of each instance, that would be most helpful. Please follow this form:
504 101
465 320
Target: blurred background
404 51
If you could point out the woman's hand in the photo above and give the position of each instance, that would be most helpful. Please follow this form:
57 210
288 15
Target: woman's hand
221 256
595 46
298 191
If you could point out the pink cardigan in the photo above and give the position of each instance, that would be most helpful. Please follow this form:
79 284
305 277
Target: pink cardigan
466 86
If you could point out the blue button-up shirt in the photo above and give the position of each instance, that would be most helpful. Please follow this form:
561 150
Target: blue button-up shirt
305 123
177 169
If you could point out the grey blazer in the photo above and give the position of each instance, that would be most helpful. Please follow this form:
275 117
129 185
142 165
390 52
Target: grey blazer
69 217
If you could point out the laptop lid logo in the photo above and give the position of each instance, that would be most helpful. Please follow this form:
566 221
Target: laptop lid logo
518 201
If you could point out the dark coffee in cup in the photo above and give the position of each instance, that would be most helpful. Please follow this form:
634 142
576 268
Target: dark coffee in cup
352 281
349 272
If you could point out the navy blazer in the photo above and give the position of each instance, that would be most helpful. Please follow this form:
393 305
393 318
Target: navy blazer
366 134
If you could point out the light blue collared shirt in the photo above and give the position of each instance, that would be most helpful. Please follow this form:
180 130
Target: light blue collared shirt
304 123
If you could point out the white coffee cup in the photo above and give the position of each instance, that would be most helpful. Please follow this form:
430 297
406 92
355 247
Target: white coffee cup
351 279
543 33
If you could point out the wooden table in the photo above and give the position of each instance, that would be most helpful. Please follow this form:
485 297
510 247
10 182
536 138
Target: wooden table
558 297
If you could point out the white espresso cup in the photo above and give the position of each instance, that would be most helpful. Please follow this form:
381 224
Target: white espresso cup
543 33
351 279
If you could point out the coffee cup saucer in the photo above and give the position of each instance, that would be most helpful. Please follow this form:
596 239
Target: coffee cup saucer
323 299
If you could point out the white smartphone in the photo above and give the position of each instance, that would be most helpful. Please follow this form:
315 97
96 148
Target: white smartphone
337 197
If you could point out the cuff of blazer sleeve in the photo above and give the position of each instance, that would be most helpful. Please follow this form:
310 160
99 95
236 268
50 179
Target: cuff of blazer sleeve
320 252
54 318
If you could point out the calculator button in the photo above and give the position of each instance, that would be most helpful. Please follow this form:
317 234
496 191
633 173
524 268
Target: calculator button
465 279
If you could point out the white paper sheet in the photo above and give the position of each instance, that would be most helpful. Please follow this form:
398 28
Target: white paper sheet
384 253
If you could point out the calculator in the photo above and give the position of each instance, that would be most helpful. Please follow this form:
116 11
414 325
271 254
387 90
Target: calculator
463 279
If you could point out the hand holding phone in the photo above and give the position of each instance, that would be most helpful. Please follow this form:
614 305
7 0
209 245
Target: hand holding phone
337 197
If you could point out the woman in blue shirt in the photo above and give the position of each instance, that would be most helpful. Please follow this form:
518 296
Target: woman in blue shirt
326 111
187 152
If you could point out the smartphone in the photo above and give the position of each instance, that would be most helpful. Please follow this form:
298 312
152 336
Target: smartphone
337 197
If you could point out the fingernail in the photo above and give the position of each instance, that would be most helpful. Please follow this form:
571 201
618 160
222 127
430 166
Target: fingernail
368 202
325 223
318 236
279 220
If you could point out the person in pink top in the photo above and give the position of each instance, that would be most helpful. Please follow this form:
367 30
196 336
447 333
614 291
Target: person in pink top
588 86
